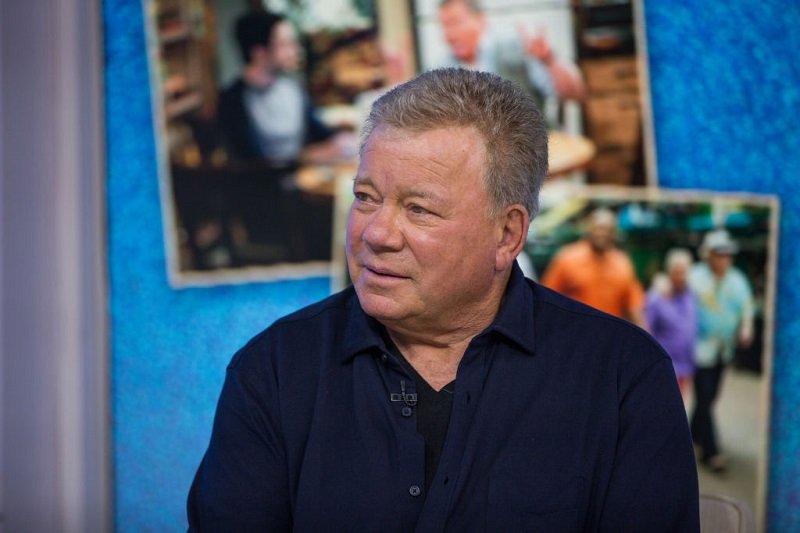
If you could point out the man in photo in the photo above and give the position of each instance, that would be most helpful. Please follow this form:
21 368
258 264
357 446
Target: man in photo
596 272
725 321
266 113
519 54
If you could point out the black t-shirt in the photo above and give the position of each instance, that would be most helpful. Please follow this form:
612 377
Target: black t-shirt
433 414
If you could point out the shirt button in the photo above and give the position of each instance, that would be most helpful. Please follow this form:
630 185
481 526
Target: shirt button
384 358
414 490
406 411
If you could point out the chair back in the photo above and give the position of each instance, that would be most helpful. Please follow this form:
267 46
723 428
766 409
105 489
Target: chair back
721 514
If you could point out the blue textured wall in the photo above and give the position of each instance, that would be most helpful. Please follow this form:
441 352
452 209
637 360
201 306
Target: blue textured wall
725 79
169 348
725 84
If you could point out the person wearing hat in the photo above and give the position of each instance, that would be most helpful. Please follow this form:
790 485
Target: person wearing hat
724 320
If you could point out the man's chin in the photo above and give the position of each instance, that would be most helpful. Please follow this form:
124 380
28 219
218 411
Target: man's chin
382 308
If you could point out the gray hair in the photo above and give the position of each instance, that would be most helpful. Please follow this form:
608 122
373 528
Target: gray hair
508 120
472 5
677 256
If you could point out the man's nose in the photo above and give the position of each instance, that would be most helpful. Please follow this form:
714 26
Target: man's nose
382 232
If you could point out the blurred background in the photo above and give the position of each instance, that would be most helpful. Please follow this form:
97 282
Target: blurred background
139 251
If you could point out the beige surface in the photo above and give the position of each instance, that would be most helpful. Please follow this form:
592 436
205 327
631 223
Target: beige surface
568 152
321 179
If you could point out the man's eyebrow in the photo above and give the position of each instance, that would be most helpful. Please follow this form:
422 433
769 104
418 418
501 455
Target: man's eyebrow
411 192
424 195
362 180
419 193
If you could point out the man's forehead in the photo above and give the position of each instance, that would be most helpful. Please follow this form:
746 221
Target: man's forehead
384 129
421 188
439 150
428 167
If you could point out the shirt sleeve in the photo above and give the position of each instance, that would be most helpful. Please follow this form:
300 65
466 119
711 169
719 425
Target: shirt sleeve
540 77
241 483
653 486
316 130
651 313
746 295
233 124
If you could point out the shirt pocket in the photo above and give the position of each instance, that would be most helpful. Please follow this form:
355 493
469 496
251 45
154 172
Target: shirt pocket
535 503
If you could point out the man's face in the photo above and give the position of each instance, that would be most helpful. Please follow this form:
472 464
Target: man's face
421 247
719 263
462 28
283 48
601 233
678 274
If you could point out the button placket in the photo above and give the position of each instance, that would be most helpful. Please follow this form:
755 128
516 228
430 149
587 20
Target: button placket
400 400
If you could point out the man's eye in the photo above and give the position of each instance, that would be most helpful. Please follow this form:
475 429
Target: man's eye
418 210
361 196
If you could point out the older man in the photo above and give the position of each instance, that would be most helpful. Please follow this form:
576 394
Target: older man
521 56
671 313
444 390
725 321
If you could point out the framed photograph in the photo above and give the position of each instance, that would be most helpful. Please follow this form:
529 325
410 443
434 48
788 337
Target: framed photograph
248 164
649 225
600 45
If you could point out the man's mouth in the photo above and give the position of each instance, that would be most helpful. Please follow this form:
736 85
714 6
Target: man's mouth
385 272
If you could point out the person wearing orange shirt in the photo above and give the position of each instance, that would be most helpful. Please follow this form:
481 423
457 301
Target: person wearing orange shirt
594 271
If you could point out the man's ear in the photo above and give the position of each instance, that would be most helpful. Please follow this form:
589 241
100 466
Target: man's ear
512 231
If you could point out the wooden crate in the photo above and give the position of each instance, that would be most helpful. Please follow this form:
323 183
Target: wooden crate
611 74
614 120
613 166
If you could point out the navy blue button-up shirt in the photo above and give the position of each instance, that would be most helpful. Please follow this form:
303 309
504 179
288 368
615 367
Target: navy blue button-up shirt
564 419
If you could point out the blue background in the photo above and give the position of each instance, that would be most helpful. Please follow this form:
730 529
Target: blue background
725 83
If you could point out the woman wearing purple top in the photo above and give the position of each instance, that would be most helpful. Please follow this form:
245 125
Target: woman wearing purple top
671 316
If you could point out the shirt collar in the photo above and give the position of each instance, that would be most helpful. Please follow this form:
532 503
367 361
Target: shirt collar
486 59
362 334
514 321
